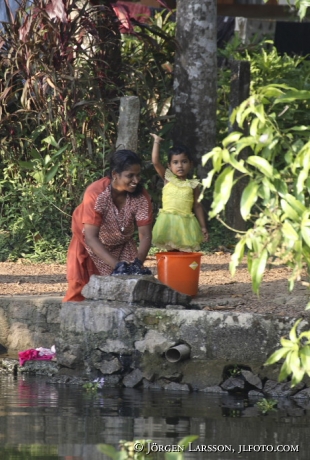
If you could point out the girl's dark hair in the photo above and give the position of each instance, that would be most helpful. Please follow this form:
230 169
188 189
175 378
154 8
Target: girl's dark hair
177 150
121 160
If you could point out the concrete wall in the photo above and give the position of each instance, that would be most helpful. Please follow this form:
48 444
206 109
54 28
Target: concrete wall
121 341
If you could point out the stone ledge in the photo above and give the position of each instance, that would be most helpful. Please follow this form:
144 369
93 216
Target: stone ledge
145 290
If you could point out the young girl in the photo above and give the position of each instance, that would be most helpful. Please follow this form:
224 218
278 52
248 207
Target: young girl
180 224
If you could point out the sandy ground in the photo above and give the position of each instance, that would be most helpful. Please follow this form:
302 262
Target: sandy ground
218 290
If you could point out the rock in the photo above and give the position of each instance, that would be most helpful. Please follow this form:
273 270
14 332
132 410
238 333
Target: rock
109 366
3 349
252 379
114 346
173 386
133 289
151 385
233 384
9 365
255 394
215 389
67 380
303 394
49 368
153 342
149 375
175 307
272 388
110 381
133 379
173 377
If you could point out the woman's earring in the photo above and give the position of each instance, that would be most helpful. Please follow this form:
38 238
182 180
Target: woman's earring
114 179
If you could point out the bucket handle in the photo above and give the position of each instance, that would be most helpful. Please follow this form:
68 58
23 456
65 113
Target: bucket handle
161 258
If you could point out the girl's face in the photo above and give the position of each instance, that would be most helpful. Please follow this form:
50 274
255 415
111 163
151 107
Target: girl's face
127 180
180 165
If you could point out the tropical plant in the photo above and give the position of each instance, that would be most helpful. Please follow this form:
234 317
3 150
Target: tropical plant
273 157
267 405
295 352
272 154
63 67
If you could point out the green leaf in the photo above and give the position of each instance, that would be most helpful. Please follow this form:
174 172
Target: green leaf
26 164
258 269
60 151
305 358
39 177
287 343
289 232
293 333
297 377
254 126
208 180
285 371
232 138
276 356
47 159
108 450
289 211
248 199
305 233
305 334
222 190
51 173
292 96
295 204
237 256
281 187
261 164
187 440
293 361
50 140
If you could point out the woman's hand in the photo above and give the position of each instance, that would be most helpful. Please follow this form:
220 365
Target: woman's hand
145 240
91 233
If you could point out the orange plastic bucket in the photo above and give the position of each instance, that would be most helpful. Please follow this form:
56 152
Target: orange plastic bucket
179 270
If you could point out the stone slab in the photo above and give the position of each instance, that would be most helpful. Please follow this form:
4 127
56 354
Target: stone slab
145 290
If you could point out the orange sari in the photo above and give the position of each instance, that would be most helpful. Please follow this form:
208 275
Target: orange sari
116 229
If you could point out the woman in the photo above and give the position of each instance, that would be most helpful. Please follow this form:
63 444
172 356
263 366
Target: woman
103 226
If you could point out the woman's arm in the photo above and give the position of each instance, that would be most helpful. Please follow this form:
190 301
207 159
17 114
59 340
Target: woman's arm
160 169
199 213
145 240
91 233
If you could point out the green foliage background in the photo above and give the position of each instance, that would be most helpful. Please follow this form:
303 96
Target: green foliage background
60 85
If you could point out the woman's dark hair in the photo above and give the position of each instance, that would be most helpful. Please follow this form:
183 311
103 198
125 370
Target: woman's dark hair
178 150
121 160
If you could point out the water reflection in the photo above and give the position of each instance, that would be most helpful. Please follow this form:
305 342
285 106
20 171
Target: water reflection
41 421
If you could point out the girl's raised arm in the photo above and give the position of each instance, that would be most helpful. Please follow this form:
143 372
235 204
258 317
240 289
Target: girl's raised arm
160 169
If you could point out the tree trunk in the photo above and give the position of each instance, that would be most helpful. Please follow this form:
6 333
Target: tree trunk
239 92
195 77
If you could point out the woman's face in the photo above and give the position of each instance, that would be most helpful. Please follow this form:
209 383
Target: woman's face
127 180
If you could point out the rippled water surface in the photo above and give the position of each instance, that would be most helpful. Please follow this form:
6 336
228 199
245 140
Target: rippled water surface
42 421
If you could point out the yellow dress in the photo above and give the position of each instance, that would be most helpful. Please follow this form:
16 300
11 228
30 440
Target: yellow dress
176 226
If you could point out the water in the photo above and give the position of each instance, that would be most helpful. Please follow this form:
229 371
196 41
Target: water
42 421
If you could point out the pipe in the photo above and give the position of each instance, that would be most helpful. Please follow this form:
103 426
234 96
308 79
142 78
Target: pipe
177 353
